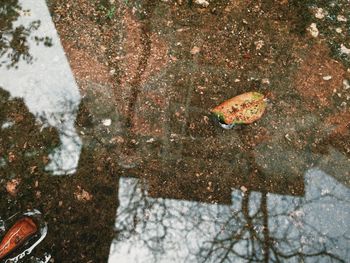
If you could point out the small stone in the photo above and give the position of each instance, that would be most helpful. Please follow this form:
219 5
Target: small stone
107 122
117 139
151 140
244 189
237 80
313 30
338 30
344 49
202 3
195 50
320 13
82 195
112 72
346 84
327 77
341 18
265 81
259 44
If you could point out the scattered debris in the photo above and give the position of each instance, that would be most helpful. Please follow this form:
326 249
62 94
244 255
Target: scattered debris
244 189
82 195
265 81
202 3
107 122
195 50
259 44
313 30
320 13
150 140
7 125
346 84
11 186
327 77
287 137
341 18
338 30
344 50
242 109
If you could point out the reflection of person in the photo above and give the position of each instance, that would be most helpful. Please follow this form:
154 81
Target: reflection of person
80 228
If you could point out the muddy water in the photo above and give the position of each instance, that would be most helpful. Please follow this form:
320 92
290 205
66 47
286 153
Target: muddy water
127 164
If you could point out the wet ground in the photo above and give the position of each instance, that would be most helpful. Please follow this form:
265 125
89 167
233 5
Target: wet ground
106 129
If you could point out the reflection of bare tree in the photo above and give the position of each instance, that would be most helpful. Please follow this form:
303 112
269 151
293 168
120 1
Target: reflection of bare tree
13 38
259 227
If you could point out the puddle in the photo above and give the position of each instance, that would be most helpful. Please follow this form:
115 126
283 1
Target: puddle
115 96
38 72
256 226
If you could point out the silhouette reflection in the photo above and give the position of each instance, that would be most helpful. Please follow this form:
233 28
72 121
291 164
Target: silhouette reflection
257 227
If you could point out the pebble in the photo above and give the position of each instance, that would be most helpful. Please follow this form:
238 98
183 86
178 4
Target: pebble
202 3
338 30
327 77
195 50
244 189
320 13
346 84
344 49
313 30
107 122
265 81
341 18
259 44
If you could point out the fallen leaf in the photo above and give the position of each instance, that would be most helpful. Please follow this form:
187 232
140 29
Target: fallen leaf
242 109
11 186
82 195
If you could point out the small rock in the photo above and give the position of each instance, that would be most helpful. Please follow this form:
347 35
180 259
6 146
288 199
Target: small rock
107 122
346 84
237 80
338 30
151 140
341 18
327 77
244 189
313 30
259 44
265 81
117 139
344 49
202 3
82 195
320 13
195 50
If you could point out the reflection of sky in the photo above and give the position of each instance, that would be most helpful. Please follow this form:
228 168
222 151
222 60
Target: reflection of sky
47 86
300 228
